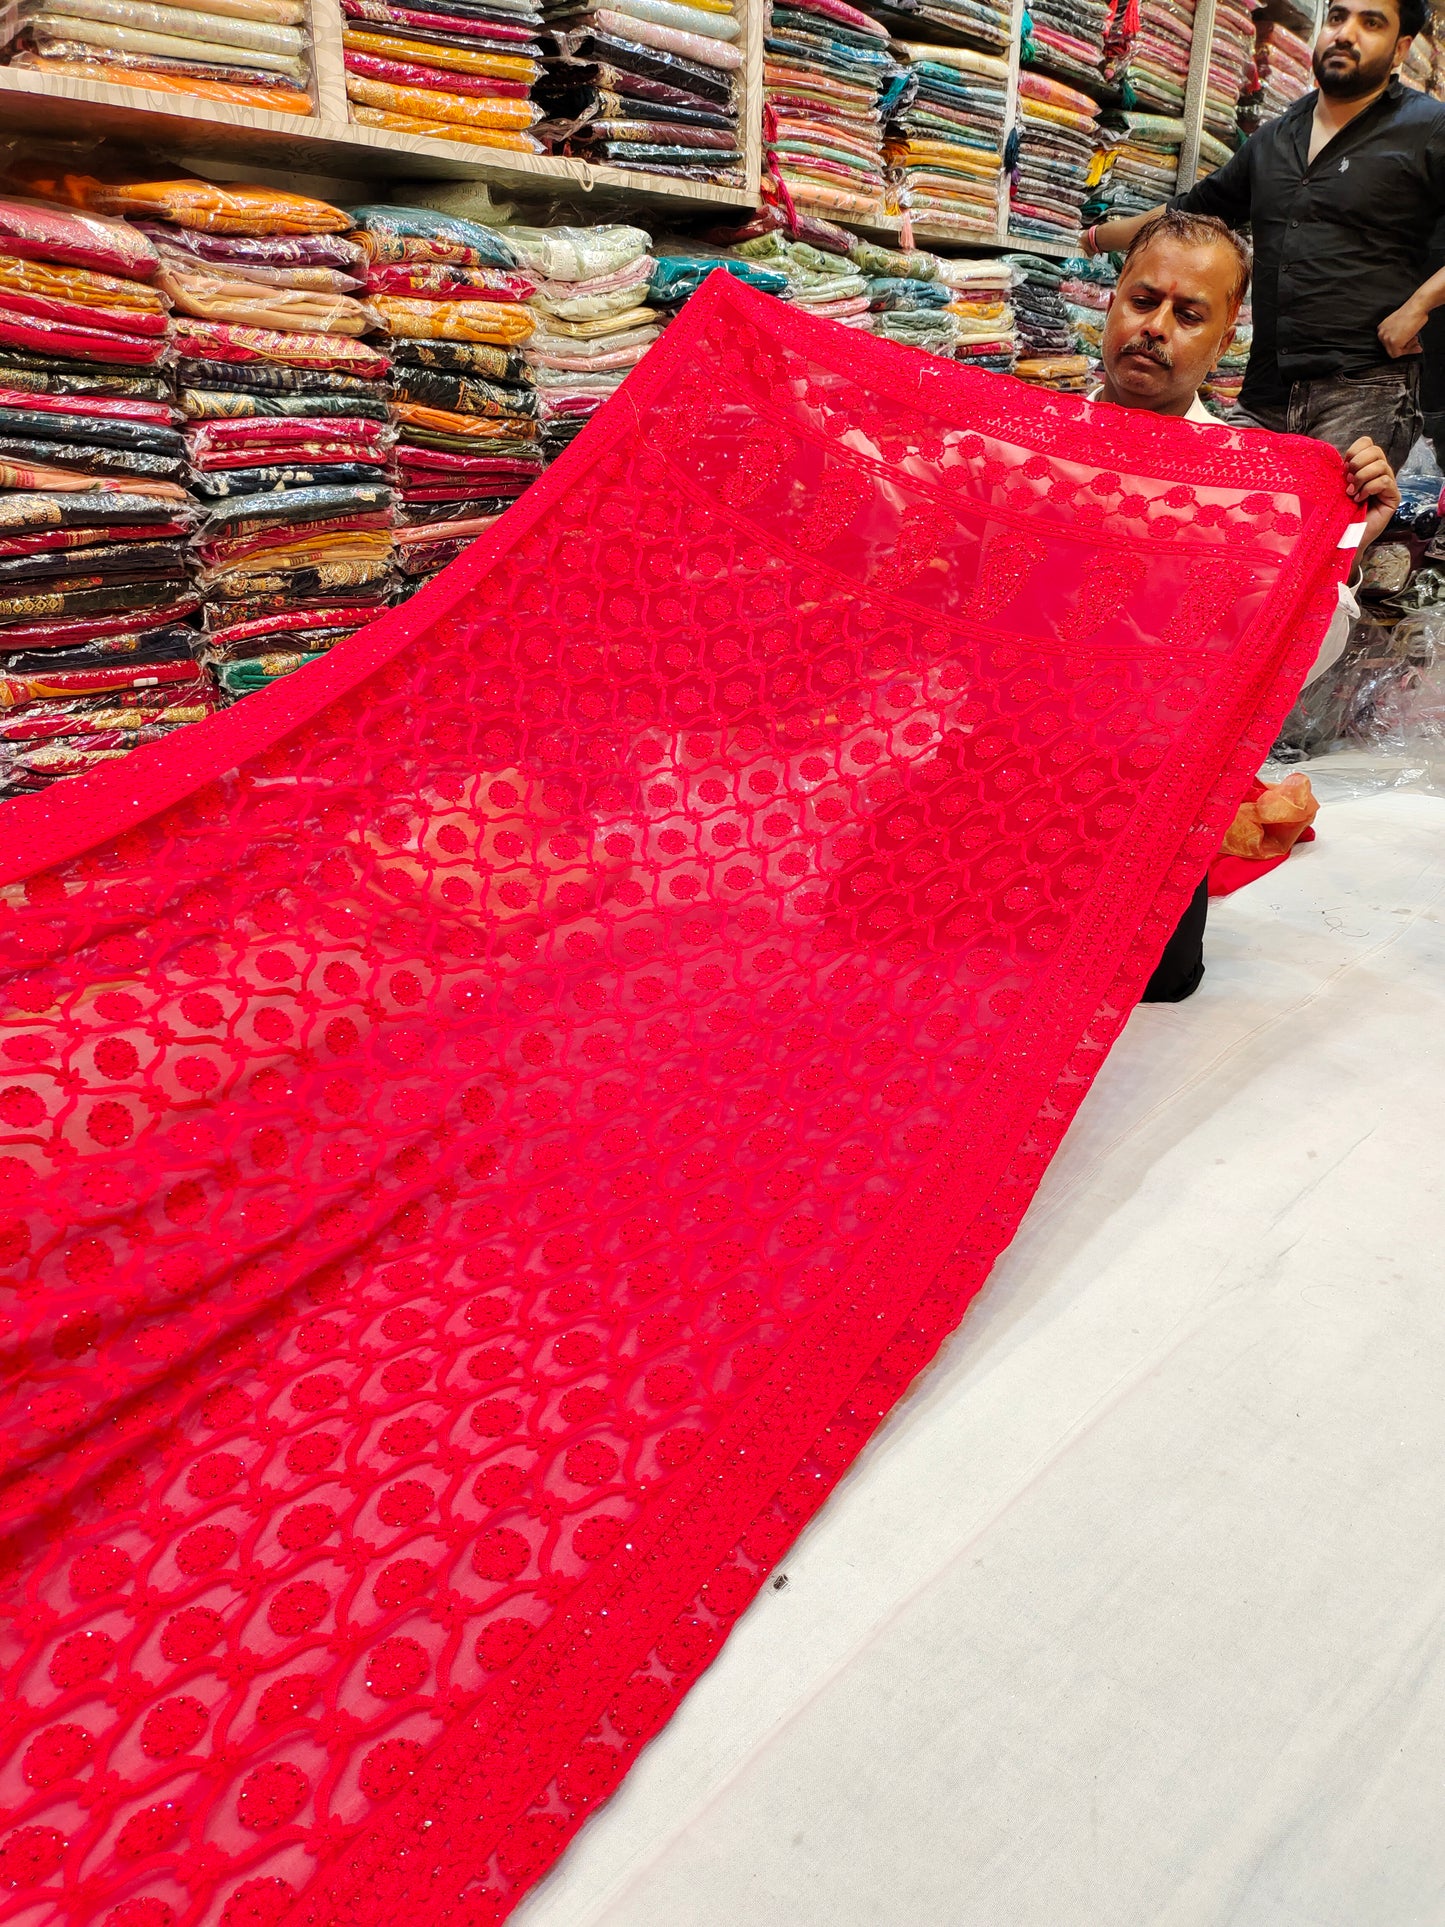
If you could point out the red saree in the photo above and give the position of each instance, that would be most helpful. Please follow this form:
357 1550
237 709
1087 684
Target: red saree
494 1122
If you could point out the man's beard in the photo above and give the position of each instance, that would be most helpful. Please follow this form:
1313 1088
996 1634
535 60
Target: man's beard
1348 78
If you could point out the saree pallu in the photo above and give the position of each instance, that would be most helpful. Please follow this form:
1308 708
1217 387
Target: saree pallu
495 1121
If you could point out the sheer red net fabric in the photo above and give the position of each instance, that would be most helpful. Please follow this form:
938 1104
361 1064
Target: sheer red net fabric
495 1122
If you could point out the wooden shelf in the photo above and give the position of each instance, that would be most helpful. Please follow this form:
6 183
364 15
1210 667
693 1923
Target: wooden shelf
316 146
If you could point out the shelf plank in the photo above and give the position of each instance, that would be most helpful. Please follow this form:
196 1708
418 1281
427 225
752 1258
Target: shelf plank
35 103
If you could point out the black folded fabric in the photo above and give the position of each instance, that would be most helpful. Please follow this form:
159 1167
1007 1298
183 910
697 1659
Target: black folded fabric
26 511
249 608
224 483
111 558
43 425
464 394
60 375
90 456
300 505
459 358
641 154
629 56
171 644
271 378
417 514
214 404
82 597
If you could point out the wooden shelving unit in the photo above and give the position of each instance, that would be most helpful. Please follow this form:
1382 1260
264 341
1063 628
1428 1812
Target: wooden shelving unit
327 151
327 145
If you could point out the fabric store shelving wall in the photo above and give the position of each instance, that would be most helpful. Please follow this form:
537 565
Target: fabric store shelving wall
328 144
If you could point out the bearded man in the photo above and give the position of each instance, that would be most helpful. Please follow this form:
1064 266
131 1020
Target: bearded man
1341 193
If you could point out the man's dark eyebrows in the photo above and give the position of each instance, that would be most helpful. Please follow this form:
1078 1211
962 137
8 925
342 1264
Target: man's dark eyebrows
1157 294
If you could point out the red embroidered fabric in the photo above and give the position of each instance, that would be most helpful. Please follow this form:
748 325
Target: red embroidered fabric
494 1122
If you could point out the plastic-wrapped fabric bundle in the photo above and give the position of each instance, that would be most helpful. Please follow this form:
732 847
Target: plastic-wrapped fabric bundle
1136 167
1231 55
1226 378
829 81
1050 179
1085 291
251 52
946 139
1158 65
463 407
1281 74
451 70
1048 354
646 85
600 303
95 516
287 434
982 24
981 300
1069 40
181 201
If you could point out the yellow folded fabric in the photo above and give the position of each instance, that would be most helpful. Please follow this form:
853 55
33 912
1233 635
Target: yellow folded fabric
460 60
494 321
81 285
426 103
444 130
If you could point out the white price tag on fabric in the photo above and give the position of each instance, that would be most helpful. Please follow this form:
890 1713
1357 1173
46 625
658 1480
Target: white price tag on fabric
1352 537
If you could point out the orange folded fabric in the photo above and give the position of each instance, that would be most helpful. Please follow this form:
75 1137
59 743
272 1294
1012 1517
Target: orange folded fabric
1274 821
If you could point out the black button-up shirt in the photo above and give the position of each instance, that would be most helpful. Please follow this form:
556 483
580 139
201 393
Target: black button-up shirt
1338 243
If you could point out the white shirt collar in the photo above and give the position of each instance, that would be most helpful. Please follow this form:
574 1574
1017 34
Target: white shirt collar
1196 412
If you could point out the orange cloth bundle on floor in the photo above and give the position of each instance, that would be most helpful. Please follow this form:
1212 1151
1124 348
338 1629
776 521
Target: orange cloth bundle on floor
1270 824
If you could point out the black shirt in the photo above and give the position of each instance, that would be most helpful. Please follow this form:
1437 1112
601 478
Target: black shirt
1338 244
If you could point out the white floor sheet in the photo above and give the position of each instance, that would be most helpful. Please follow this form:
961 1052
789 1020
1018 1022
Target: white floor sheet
1134 1614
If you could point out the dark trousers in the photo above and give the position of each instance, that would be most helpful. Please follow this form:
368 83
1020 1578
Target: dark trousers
1178 972
1383 403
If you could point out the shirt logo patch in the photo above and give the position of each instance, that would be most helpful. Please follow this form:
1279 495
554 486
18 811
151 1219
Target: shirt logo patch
1344 167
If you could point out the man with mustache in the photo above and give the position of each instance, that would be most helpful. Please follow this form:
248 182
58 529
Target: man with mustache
1170 319
1342 193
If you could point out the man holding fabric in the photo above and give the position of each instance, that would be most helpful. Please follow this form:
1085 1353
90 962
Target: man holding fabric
1342 193
1170 319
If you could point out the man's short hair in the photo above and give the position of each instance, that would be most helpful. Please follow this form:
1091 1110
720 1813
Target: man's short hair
1414 16
1195 230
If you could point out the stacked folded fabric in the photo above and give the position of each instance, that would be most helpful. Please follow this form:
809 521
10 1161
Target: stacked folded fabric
1212 155
946 139
1158 65
1059 134
452 70
1048 355
1226 378
646 84
1085 290
822 280
829 82
985 24
593 317
981 300
944 308
1068 39
1231 52
286 424
1137 166
1281 74
251 52
464 409
97 605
